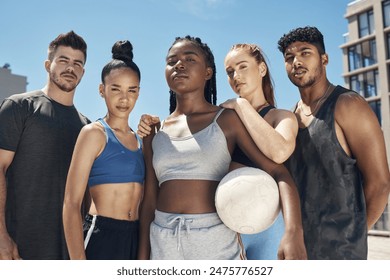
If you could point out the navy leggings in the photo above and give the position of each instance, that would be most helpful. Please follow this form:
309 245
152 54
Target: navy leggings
110 239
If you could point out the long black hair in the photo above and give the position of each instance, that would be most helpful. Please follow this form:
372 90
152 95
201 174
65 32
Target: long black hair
210 90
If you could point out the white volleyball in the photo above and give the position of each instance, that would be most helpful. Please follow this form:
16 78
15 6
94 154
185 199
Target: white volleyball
247 200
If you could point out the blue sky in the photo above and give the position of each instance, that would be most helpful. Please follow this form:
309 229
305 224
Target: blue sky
27 27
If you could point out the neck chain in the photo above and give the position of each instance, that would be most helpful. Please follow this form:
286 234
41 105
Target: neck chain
323 97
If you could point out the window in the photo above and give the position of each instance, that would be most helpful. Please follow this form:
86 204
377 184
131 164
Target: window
386 13
369 53
366 24
388 77
388 45
355 84
354 58
376 107
366 84
370 83
362 55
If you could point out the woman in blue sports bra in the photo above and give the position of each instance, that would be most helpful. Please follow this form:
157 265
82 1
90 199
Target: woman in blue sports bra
188 157
274 132
108 160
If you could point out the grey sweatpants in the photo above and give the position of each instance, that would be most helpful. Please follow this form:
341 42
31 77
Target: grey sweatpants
193 237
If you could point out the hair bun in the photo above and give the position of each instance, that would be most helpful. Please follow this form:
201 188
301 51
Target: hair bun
122 50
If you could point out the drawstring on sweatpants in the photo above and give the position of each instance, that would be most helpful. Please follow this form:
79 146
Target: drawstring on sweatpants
181 222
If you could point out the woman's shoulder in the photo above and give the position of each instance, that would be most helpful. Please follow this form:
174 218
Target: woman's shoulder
277 113
277 117
93 130
228 113
229 117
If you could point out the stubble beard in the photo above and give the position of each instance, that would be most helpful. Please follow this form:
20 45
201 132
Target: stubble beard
303 84
62 84
306 83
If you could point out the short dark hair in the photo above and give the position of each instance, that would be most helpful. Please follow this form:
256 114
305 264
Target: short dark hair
210 90
122 57
70 39
307 34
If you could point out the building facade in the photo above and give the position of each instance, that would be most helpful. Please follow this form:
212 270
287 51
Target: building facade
10 83
366 62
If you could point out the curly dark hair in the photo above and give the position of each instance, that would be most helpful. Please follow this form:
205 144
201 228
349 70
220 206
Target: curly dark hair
210 90
307 34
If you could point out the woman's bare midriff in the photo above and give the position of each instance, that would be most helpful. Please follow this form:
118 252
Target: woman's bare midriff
118 201
187 196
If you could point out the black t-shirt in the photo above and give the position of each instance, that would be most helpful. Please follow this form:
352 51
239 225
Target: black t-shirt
42 133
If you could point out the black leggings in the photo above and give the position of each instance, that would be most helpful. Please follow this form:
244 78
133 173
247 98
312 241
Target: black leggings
110 239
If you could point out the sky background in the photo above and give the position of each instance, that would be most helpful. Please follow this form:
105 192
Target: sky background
28 26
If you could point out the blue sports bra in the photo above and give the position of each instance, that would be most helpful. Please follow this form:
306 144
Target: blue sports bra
117 164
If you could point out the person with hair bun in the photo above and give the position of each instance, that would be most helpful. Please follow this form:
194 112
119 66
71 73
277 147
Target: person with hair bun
108 160
187 158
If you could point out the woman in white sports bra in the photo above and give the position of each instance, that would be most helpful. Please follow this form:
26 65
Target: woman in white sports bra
186 159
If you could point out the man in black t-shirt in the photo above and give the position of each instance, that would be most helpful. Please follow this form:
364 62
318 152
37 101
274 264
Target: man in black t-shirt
38 131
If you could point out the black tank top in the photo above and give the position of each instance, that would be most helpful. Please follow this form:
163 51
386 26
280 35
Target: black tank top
238 155
330 189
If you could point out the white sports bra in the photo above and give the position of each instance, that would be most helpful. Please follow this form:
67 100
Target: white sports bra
203 155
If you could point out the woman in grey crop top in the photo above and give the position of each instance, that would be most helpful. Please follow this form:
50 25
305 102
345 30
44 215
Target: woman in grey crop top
111 228
188 157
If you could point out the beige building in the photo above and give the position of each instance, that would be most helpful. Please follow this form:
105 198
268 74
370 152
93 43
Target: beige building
366 60
10 83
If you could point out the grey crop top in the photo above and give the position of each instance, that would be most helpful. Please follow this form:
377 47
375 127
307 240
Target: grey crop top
203 155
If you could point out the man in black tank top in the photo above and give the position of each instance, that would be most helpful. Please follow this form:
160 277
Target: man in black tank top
339 163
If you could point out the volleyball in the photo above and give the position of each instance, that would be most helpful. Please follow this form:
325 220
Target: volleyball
247 200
